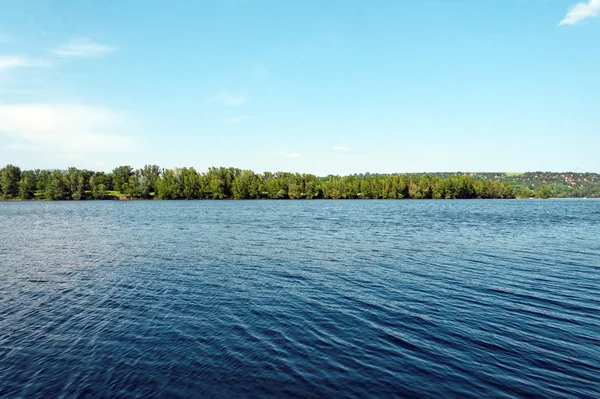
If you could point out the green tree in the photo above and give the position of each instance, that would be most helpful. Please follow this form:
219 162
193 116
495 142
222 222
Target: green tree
43 177
190 183
74 183
144 183
98 189
294 190
27 185
149 176
414 188
55 188
439 189
169 184
131 187
9 181
120 176
311 186
217 183
524 192
544 192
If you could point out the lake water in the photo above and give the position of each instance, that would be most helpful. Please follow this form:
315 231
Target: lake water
300 299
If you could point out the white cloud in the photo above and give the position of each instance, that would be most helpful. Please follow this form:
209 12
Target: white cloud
229 99
81 48
581 11
287 154
341 149
17 61
63 128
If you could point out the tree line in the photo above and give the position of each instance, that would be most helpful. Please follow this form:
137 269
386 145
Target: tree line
153 182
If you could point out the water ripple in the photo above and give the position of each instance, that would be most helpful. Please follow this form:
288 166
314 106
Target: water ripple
300 299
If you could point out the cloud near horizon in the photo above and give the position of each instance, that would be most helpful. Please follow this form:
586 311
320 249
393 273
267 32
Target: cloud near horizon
581 11
64 128
81 48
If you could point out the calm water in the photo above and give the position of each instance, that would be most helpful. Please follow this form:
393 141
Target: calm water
300 299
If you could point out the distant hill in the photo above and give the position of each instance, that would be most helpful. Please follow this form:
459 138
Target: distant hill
562 184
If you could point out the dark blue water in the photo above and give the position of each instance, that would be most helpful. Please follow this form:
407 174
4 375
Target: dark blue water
300 299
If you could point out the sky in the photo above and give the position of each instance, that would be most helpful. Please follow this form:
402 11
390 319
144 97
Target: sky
311 86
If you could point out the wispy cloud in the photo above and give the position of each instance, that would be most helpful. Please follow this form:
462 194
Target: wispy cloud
81 48
293 155
18 61
229 99
64 128
581 11
234 120
341 149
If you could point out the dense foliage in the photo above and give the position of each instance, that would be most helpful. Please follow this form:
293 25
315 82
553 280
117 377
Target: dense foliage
543 184
230 183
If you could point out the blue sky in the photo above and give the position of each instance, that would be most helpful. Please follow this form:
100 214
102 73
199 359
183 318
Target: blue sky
310 86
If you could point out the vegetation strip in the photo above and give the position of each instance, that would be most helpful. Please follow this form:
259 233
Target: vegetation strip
152 182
